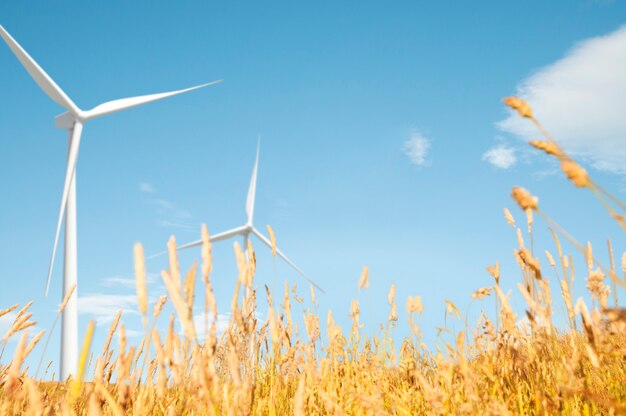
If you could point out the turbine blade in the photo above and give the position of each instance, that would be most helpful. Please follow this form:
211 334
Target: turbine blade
69 175
252 188
217 237
124 103
38 74
268 243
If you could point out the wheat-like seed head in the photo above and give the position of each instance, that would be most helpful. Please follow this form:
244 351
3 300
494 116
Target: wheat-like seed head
173 258
158 307
550 259
364 281
519 105
23 310
414 304
524 199
494 271
481 293
112 330
10 309
270 231
509 218
33 343
391 294
550 148
67 297
575 173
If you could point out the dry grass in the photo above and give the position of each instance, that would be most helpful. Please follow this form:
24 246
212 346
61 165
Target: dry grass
510 366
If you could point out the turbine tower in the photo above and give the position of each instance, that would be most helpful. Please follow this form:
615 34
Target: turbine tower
248 228
73 120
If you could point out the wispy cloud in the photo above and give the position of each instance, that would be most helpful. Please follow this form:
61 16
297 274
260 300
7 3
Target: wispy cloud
147 188
169 215
118 281
501 156
172 216
579 98
103 307
416 147
127 282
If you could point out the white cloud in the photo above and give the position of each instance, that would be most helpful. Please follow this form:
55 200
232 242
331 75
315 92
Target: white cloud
168 208
501 156
147 188
127 282
580 99
118 281
103 307
172 216
416 148
168 213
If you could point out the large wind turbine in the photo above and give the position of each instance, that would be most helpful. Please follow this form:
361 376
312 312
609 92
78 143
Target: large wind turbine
248 228
73 121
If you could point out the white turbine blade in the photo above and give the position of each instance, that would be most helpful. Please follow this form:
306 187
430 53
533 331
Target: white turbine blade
124 103
69 174
39 75
252 188
268 243
217 237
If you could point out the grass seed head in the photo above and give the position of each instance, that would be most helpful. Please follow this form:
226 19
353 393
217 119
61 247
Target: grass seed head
481 293
575 173
270 231
158 307
548 147
414 304
524 199
10 309
66 299
364 281
494 271
509 218
519 105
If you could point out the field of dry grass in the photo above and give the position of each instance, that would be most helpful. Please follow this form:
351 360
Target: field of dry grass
273 368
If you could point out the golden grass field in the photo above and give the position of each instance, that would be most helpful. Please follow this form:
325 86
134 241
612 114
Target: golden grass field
272 368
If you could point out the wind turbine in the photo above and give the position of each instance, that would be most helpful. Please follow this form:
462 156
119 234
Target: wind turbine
248 228
73 121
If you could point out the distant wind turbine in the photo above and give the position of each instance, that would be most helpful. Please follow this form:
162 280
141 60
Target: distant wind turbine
73 121
247 229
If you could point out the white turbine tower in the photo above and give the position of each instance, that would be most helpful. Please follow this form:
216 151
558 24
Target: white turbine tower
73 121
248 228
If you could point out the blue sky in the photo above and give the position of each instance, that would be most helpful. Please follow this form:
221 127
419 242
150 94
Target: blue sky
384 142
